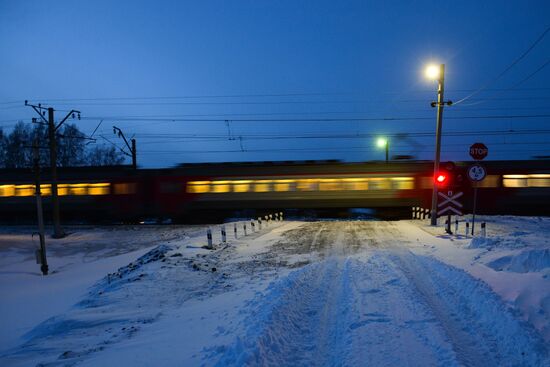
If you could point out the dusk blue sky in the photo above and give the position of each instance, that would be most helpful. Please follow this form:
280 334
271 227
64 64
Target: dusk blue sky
149 67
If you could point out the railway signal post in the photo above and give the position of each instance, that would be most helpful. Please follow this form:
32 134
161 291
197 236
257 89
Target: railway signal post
438 73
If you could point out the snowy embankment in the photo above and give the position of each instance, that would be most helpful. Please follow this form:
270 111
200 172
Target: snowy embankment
513 259
321 293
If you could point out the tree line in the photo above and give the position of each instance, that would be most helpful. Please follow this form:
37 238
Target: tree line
73 148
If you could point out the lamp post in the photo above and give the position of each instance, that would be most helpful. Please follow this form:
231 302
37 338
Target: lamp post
384 143
438 73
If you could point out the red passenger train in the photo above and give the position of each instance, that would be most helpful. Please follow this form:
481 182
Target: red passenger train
197 192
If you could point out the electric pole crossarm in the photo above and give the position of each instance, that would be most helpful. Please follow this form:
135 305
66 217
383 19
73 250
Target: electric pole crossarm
66 117
132 148
37 110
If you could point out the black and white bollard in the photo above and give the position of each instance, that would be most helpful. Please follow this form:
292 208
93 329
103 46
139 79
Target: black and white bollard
253 226
266 221
209 237
467 228
281 215
483 232
456 226
244 228
235 229
259 223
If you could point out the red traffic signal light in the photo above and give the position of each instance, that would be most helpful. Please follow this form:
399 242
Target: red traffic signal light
441 178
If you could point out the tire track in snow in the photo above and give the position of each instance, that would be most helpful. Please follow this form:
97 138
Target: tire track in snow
395 308
339 312
482 330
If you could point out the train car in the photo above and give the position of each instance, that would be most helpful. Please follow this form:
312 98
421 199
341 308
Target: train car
210 192
85 194
326 185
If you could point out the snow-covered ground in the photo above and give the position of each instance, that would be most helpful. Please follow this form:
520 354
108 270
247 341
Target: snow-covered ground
296 293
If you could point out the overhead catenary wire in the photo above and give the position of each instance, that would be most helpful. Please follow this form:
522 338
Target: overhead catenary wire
515 62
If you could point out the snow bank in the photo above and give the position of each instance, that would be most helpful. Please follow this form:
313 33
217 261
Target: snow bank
525 261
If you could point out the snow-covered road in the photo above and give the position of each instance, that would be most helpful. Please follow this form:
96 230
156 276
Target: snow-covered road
328 293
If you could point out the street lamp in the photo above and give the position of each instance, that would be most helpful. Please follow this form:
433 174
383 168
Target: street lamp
436 72
384 143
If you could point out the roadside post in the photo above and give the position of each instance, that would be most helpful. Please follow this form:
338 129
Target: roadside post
209 237
281 213
224 238
259 223
235 229
456 226
483 230
467 228
244 228
253 226
476 173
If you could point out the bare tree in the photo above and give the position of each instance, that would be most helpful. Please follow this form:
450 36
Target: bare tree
72 150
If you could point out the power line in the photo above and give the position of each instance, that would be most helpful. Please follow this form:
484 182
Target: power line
321 119
507 69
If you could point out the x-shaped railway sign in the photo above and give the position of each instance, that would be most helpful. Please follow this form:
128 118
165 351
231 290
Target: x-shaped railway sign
449 200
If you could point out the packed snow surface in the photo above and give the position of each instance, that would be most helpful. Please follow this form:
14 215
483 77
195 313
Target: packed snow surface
324 293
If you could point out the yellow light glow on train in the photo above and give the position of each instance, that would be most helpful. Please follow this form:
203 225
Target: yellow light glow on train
98 189
302 184
241 185
76 189
198 187
262 185
7 190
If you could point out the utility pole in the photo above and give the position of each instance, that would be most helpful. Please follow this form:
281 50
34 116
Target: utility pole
440 104
131 148
42 251
52 129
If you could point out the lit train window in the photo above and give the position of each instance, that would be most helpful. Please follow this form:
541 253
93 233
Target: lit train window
284 185
7 190
78 189
307 185
24 190
198 187
329 184
538 180
379 183
402 183
241 185
45 189
63 190
220 186
355 184
262 185
514 180
98 189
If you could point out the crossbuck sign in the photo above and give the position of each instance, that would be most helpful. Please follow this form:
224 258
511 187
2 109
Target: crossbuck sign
449 203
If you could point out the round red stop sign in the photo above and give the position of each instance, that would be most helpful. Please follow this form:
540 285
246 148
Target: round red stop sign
478 151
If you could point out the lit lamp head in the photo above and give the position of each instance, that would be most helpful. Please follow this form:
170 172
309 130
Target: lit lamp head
432 72
381 142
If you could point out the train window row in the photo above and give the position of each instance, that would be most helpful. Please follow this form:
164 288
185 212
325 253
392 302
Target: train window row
532 180
308 184
78 189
